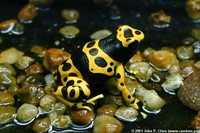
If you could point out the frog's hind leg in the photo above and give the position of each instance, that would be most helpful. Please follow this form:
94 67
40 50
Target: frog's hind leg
76 90
120 77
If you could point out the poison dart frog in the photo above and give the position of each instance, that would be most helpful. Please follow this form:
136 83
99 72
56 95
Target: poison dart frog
95 62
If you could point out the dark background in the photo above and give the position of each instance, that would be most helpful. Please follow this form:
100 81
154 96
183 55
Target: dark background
92 18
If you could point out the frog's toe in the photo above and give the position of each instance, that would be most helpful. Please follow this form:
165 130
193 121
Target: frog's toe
87 108
91 101
134 104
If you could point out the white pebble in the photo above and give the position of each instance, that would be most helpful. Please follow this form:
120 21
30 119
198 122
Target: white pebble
100 34
27 112
172 82
10 56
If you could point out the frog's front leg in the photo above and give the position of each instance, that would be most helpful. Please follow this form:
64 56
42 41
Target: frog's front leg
120 77
75 89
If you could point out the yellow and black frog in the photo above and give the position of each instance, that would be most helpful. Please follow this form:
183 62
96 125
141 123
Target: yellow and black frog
95 62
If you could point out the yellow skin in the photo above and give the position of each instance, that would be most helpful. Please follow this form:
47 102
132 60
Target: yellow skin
74 91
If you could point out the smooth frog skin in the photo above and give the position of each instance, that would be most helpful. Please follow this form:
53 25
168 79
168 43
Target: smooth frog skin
96 62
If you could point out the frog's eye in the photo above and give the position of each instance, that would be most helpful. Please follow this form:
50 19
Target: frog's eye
128 33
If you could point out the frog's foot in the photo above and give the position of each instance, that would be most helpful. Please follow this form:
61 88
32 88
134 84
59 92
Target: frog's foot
129 99
91 100
133 104
80 105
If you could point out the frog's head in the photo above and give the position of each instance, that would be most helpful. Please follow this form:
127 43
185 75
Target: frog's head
128 35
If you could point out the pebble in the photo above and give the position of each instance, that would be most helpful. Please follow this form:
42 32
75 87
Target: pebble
160 18
47 102
162 59
38 50
126 113
10 55
53 58
196 122
197 64
7 114
69 31
34 69
108 109
30 93
59 108
70 15
82 116
187 70
62 121
188 40
7 80
6 99
193 9
27 112
100 34
196 33
41 125
7 68
196 46
184 52
150 99
172 82
157 77
141 70
107 124
27 13
23 62
8 25
189 92
18 29
138 57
